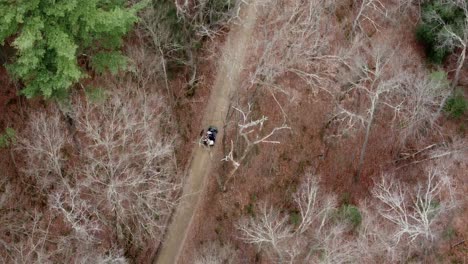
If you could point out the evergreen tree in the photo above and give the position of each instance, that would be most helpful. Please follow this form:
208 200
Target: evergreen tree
435 16
51 35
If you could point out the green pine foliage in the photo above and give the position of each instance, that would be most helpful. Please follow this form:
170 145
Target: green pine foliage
50 35
436 14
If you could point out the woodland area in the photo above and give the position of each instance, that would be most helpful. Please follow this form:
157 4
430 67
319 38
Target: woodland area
344 139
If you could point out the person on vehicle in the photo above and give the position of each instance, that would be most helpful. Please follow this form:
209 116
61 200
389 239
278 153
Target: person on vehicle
208 140
210 137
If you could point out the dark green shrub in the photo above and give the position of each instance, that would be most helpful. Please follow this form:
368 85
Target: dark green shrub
95 94
250 209
436 14
8 137
449 233
456 105
350 214
295 218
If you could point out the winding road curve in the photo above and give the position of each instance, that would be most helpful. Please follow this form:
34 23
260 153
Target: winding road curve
227 79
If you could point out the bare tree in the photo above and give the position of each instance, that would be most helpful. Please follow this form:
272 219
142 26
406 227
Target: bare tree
317 238
410 102
112 257
376 85
314 208
116 180
147 68
39 244
416 214
32 246
269 231
424 97
156 28
335 247
216 253
91 253
42 144
369 11
400 220
403 6
128 165
375 240
77 212
293 40
251 131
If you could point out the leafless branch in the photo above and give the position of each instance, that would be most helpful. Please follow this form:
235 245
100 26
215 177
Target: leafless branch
251 131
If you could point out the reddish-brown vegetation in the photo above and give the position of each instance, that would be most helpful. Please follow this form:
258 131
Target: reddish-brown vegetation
281 83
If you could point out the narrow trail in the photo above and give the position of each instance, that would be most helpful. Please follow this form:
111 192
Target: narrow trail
227 79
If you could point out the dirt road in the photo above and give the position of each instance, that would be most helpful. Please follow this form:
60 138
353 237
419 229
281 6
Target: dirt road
227 79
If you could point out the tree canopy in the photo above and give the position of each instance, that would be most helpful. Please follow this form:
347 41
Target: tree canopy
437 16
51 35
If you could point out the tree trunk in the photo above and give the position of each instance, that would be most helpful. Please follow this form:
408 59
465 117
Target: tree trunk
366 138
460 62
233 170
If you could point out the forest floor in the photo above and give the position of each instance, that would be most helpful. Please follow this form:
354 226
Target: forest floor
206 214
272 172
227 79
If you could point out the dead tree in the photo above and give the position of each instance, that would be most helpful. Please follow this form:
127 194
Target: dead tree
121 180
416 214
451 152
368 11
75 211
252 133
374 239
314 208
424 97
411 103
42 144
269 231
335 247
293 40
376 87
31 248
214 252
316 239
128 164
400 220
